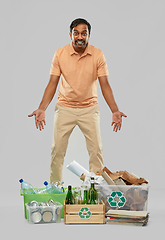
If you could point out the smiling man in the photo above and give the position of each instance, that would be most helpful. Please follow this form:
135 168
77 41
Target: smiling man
80 39
79 64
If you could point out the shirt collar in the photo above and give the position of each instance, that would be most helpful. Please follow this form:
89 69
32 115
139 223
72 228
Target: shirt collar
87 50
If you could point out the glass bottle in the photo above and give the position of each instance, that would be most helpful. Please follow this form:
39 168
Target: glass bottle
92 197
77 195
85 200
92 188
69 197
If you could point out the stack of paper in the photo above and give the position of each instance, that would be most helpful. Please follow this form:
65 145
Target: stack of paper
139 218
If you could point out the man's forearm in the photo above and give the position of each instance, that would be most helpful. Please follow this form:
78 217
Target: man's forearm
108 94
49 92
109 98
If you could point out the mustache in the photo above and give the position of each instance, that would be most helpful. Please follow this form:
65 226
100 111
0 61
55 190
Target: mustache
80 40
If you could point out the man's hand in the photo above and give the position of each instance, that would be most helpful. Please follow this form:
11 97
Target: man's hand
39 118
46 99
117 120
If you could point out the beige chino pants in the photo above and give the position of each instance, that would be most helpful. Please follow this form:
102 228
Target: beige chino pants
65 120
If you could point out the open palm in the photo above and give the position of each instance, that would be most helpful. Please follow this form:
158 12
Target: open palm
39 118
117 120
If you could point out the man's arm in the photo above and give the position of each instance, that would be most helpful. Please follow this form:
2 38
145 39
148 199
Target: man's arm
109 98
49 92
47 98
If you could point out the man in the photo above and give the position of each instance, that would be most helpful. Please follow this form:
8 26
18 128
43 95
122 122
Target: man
79 64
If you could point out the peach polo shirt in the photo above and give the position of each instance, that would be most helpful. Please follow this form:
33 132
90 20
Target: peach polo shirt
78 86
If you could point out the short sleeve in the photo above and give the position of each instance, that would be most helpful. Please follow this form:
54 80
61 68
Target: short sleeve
55 67
102 69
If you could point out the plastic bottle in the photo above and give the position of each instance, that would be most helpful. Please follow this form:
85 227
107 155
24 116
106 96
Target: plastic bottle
52 188
26 187
42 191
61 187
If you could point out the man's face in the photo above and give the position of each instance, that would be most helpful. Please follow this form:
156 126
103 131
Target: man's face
80 36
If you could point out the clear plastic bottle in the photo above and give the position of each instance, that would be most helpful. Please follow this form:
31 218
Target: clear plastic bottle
26 187
61 187
42 191
51 188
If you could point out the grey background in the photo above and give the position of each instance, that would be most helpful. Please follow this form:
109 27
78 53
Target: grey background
131 35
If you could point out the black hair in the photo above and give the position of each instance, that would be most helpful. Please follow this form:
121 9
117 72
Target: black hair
80 21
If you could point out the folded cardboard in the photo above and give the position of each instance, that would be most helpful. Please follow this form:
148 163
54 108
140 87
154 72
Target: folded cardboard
139 218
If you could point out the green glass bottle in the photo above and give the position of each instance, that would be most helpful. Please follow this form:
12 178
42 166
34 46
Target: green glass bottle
92 197
85 200
69 197
92 188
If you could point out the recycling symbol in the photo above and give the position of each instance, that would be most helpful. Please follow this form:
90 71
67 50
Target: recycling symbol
84 213
120 203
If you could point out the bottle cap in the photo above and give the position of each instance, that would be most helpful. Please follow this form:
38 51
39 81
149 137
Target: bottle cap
21 180
45 183
69 187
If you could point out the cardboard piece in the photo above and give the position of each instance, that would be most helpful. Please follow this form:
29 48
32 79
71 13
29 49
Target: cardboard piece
107 178
128 178
139 218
